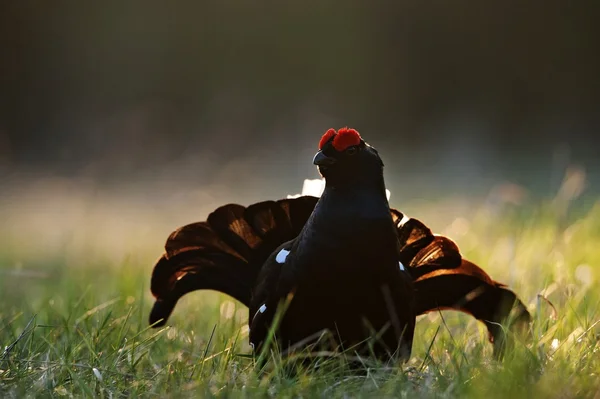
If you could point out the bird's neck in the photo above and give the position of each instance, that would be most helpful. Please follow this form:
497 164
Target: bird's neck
364 197
353 223
356 203
344 212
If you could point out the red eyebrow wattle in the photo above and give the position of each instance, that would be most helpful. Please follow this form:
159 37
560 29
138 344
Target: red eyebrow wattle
346 138
326 137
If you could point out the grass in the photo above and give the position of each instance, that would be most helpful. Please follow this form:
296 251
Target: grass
75 325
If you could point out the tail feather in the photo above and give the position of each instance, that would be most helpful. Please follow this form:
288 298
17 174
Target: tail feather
470 290
225 253
444 280
194 270
197 236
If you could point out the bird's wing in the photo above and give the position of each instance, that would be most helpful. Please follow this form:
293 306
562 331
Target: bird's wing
226 252
267 294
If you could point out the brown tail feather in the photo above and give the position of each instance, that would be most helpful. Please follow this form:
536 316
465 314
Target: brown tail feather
226 252
469 289
444 280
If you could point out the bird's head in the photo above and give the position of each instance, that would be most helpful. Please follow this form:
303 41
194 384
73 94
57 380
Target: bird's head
345 159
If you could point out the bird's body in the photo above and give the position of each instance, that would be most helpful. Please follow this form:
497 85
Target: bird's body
345 263
343 270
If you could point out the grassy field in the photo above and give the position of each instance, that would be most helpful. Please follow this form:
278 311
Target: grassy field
73 320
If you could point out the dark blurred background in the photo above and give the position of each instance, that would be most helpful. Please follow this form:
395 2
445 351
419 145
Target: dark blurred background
234 95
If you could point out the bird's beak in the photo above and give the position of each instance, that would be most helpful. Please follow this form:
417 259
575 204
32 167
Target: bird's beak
321 159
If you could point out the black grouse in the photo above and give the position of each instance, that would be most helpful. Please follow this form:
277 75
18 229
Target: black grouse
344 262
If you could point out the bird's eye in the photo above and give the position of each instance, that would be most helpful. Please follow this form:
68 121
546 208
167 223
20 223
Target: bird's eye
351 151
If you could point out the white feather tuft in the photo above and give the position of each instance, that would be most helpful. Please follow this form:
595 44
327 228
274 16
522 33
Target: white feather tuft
282 255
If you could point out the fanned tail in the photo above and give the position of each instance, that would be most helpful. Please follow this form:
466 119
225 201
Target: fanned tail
444 280
225 253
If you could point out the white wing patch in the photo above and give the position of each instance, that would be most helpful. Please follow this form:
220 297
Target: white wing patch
260 310
401 266
282 255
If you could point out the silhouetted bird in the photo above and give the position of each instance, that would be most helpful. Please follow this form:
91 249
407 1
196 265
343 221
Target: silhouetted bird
344 262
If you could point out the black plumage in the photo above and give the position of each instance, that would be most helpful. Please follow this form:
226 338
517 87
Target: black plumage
346 262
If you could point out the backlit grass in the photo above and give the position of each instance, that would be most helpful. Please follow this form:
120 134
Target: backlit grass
73 321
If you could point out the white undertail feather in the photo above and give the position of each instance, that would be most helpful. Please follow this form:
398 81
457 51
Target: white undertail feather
315 188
